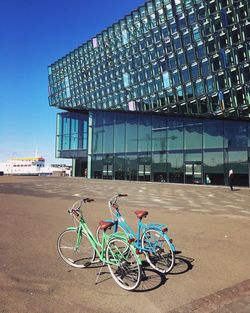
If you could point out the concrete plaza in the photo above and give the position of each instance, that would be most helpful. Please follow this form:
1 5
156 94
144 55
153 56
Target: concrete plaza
209 225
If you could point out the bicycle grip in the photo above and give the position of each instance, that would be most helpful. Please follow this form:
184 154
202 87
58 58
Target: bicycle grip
122 195
88 200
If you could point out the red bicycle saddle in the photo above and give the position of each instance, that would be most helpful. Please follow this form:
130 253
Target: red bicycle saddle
104 225
141 214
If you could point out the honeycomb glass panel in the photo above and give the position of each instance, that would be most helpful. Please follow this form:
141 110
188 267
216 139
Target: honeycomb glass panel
186 37
210 84
166 56
185 74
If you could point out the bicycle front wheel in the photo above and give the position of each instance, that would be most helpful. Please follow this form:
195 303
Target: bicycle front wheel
158 250
123 264
77 254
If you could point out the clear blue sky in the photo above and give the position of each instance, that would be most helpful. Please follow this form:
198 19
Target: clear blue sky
34 34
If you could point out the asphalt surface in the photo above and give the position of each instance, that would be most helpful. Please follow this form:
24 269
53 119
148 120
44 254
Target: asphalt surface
209 225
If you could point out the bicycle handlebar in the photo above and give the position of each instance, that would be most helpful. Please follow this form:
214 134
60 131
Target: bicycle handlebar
114 198
87 200
113 203
122 195
77 206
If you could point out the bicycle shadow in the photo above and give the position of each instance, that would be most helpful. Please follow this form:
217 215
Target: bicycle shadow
151 279
182 265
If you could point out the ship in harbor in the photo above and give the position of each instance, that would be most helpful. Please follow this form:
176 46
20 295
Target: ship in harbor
33 166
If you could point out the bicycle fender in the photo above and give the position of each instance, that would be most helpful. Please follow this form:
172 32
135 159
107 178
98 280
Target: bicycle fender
155 227
72 228
171 244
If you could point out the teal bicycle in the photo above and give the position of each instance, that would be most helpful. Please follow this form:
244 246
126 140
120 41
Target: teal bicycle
150 239
78 247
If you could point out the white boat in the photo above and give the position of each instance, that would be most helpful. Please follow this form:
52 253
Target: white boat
34 166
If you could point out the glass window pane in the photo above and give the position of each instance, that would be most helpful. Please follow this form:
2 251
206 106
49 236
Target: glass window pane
175 167
235 135
175 134
199 88
238 161
159 133
172 62
144 133
210 84
185 74
131 133
74 134
181 58
205 68
119 167
119 132
196 34
125 36
126 80
97 166
194 71
159 167
176 78
166 80
193 157
193 134
190 55
189 91
186 39
66 133
214 166
98 130
212 134
131 167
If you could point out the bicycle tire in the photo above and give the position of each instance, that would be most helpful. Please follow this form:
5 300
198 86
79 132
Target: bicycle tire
123 264
161 256
81 257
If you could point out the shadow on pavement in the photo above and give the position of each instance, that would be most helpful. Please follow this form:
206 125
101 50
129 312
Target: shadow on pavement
151 280
183 264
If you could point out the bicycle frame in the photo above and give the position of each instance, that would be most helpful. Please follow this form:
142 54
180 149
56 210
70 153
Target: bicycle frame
84 229
141 228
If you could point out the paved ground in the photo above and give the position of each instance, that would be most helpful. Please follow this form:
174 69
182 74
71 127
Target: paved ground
210 225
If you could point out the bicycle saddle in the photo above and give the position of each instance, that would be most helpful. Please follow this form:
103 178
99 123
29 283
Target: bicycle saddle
104 225
141 214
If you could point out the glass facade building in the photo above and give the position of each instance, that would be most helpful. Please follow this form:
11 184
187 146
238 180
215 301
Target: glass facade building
161 95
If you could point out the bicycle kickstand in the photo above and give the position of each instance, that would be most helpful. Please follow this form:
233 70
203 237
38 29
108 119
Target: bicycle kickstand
99 273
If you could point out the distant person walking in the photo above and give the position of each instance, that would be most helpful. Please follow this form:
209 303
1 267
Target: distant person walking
230 179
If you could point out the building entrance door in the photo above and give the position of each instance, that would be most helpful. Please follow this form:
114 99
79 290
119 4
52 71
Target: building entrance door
79 168
193 173
107 172
144 172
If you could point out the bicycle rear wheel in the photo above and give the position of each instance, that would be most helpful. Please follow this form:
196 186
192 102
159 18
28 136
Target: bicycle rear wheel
76 255
159 252
123 264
